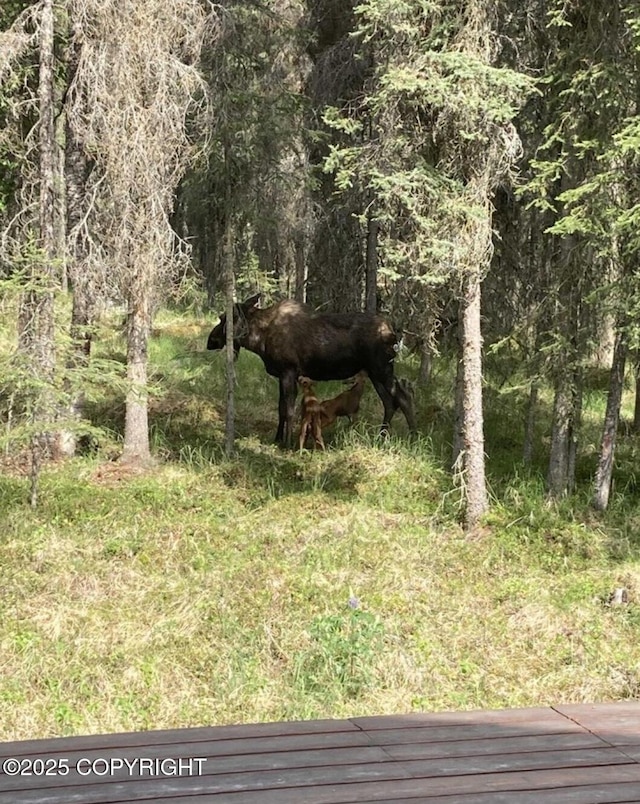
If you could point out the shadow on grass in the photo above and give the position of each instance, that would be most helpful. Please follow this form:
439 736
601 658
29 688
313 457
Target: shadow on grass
280 473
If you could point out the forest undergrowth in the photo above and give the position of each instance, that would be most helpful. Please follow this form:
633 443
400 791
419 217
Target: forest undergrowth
285 585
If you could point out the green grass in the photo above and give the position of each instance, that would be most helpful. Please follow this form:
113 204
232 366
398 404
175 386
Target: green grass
212 591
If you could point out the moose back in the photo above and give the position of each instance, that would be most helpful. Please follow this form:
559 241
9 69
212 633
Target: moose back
293 339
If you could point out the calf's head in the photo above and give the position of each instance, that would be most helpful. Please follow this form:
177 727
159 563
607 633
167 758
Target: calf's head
306 385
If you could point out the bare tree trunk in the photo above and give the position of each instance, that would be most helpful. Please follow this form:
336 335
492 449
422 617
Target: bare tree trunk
603 354
529 428
229 286
300 258
561 428
79 272
80 330
37 313
574 430
426 363
458 422
611 419
61 205
477 502
136 430
371 270
636 408
48 160
567 317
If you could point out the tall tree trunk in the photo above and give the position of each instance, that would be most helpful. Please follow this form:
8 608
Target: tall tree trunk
300 258
636 408
136 430
574 430
458 421
79 271
36 318
476 502
603 353
567 322
560 432
48 163
529 428
61 201
371 269
82 315
229 287
611 419
426 363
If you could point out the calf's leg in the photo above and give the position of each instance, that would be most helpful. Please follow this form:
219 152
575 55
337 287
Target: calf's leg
304 428
317 431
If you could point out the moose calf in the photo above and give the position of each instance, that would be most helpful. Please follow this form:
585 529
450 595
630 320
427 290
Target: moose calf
345 404
310 414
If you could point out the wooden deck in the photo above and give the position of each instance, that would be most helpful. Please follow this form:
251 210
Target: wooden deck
562 755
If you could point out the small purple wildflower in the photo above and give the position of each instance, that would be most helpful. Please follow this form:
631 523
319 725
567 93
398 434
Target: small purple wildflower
354 603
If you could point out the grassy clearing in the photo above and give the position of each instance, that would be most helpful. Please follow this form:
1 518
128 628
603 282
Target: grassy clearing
280 585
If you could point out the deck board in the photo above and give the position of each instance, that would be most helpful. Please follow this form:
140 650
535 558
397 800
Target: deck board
173 736
482 717
573 754
618 723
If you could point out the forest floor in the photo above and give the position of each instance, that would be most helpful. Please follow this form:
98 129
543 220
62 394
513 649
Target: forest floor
280 585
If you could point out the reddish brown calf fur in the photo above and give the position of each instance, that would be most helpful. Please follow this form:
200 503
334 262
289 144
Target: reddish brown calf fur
310 414
345 404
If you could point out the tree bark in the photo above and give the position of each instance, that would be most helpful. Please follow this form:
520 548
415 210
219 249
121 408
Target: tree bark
529 428
371 269
604 472
136 430
36 318
603 354
48 160
300 258
561 428
574 430
61 201
79 271
229 286
476 489
458 423
636 408
426 363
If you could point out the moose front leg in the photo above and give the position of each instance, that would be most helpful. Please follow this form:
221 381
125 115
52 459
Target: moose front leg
388 403
282 413
286 409
290 385
403 394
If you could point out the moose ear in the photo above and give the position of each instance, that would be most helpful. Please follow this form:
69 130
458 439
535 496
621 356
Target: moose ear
252 302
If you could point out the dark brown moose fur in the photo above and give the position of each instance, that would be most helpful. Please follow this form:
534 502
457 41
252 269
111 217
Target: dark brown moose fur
310 414
293 340
345 404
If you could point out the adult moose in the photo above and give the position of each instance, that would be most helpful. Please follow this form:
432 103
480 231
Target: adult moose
293 340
